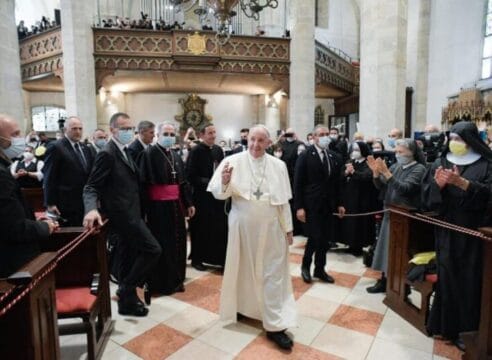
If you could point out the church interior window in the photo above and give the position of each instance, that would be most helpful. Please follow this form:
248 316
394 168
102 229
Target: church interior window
487 44
45 117
319 115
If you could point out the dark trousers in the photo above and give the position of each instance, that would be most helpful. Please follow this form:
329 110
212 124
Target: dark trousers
318 226
140 250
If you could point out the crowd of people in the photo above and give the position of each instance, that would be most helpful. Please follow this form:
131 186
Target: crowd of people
40 26
242 205
143 23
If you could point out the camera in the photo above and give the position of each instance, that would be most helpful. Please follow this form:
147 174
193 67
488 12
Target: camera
55 217
433 144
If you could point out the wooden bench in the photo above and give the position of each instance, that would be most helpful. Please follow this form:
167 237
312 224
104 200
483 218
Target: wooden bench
479 343
75 274
35 198
407 238
29 329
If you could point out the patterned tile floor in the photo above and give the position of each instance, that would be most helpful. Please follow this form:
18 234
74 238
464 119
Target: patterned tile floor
336 321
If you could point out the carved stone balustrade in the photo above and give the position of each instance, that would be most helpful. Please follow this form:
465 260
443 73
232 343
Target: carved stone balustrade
41 54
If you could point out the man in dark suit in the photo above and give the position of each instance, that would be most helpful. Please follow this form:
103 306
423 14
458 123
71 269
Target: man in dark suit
98 141
316 196
114 183
244 141
66 168
20 233
146 133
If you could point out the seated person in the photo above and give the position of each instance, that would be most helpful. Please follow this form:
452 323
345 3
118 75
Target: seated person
27 171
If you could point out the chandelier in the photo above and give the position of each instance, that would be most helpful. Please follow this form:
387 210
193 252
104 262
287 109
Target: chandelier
222 10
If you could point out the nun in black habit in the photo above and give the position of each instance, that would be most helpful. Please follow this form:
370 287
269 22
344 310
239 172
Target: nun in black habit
168 202
360 196
458 186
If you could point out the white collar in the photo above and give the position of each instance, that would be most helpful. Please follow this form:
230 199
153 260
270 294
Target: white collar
71 142
319 148
145 146
118 144
257 160
469 158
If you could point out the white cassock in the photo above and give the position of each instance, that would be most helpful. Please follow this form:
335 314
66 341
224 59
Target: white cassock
257 282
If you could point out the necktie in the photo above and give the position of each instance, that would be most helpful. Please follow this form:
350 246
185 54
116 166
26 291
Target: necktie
81 156
326 163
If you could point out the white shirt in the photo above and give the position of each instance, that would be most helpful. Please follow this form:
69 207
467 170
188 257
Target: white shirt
39 167
145 146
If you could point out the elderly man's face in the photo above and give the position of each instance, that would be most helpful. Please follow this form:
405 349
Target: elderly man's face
100 135
8 130
74 130
258 142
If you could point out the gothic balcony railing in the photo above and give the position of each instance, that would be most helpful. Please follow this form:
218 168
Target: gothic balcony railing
41 54
116 49
335 70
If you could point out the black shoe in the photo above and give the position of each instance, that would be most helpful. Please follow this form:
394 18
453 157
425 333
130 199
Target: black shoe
240 316
281 339
459 344
306 276
180 288
320 274
132 309
135 297
378 287
199 266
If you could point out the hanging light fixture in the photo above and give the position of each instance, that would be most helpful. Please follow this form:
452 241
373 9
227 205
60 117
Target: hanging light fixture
252 8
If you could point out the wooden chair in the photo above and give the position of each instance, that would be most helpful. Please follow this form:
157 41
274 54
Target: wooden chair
83 269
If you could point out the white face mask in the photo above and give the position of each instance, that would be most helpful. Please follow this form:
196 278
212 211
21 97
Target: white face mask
324 142
356 155
17 146
278 154
28 156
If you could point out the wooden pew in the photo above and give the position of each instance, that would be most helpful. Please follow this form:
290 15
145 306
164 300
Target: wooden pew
407 237
29 329
35 198
74 277
479 343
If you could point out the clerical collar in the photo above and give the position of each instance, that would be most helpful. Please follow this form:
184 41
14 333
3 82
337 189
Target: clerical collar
469 158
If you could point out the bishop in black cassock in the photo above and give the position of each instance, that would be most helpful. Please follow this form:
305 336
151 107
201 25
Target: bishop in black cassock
168 203
208 228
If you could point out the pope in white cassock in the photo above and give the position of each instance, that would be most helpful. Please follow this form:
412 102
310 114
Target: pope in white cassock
257 282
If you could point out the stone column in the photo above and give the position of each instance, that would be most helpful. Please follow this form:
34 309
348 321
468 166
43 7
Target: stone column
78 61
302 76
383 66
323 13
11 101
420 98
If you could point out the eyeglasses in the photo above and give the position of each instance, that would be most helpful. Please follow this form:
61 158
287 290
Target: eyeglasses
127 128
168 134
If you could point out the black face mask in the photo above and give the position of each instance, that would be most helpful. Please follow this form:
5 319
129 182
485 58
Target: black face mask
244 142
289 135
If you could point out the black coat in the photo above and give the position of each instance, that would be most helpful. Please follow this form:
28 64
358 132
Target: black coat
20 233
65 178
317 191
135 149
114 182
459 257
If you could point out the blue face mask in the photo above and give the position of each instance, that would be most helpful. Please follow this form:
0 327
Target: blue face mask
100 143
403 160
391 142
167 141
125 136
17 146
324 142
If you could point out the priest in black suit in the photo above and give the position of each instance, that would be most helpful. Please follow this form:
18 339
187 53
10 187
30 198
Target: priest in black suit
114 183
208 228
316 196
67 165
21 234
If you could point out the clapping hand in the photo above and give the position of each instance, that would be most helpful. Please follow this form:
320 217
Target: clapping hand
444 177
226 174
371 162
349 169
